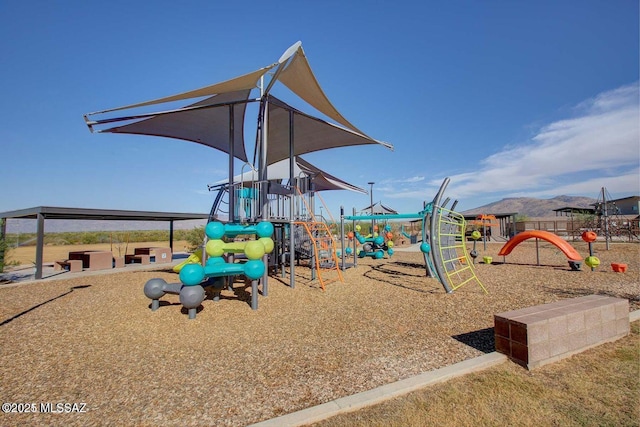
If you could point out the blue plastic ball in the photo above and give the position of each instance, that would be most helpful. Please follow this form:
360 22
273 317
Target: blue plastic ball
348 251
379 254
192 274
425 247
390 251
378 240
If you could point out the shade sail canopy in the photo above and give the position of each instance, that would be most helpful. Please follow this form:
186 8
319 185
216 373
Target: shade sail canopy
299 78
380 209
310 133
202 123
207 126
245 82
280 171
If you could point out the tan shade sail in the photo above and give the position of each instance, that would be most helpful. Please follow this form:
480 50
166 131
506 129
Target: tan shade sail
207 126
280 172
299 78
310 133
244 82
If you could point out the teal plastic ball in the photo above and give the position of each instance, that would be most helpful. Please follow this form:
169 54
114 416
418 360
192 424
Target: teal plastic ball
264 229
425 247
192 274
254 269
214 230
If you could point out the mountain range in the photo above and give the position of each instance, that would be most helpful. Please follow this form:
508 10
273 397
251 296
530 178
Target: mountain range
532 207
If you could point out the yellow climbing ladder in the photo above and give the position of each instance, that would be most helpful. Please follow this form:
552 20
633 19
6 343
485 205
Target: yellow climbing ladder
324 252
458 266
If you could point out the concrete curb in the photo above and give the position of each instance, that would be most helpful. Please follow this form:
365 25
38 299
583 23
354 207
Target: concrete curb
385 392
389 391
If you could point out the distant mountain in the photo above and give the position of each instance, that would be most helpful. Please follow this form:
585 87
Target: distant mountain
532 207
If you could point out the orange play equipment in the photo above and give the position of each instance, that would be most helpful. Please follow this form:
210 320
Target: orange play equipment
562 244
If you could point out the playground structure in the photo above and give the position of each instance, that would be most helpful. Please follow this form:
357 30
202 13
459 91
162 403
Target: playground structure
220 264
283 133
443 241
574 257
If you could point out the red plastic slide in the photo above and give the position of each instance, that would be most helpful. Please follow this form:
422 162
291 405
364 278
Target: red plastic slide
562 244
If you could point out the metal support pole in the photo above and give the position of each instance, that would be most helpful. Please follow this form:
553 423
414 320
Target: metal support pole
39 245
292 245
232 190
342 255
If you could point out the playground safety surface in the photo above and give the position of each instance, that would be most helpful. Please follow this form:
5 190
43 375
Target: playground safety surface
93 339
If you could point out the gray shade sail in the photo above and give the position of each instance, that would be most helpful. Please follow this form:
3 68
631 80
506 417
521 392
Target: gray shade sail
310 133
380 209
208 126
279 171
299 78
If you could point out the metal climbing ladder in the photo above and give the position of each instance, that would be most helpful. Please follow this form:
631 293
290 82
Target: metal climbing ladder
323 252
452 249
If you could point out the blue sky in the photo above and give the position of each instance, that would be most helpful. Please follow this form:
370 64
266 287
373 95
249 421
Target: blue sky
507 98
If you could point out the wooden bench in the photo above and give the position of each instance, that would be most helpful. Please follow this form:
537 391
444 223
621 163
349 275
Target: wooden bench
71 265
535 336
141 259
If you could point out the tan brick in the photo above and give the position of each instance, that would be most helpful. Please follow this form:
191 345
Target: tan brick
558 346
537 332
577 340
609 329
594 335
539 351
575 322
622 326
557 327
622 309
608 313
592 318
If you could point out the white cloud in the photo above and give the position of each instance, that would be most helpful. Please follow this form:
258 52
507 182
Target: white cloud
599 147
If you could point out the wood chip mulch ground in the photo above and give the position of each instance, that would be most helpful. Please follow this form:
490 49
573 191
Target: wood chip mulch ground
94 339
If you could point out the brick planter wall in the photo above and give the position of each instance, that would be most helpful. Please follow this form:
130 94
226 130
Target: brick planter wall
535 336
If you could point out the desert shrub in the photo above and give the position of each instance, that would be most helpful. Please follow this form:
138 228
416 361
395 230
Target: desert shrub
195 237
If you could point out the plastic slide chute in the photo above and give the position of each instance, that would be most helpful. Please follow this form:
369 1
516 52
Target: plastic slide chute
194 258
560 243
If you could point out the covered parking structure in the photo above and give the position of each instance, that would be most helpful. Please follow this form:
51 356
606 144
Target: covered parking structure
42 213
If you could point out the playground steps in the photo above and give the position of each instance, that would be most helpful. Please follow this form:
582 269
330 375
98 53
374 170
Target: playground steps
323 251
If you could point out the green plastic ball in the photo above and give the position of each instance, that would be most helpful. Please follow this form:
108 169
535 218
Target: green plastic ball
215 248
254 249
592 261
268 244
